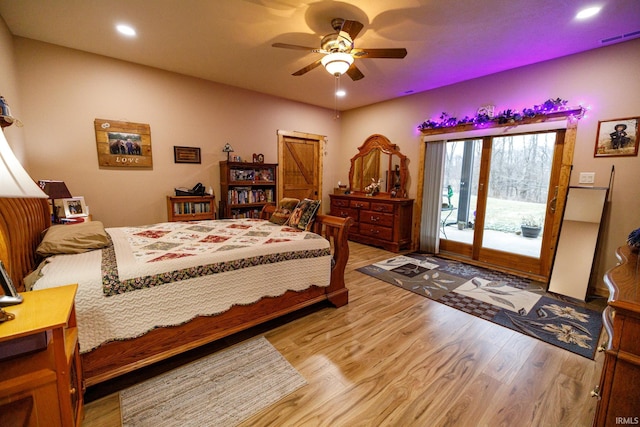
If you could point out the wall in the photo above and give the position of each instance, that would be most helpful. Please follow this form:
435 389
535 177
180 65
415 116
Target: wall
604 79
64 90
9 90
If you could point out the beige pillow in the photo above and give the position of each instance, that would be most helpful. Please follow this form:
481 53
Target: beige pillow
73 239
283 212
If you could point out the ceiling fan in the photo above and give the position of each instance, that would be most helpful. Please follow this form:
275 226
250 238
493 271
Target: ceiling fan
339 51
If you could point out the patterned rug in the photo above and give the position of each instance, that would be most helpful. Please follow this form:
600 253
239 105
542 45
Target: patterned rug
511 301
222 389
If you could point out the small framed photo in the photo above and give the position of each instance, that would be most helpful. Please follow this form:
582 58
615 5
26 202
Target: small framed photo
258 158
186 154
617 137
75 207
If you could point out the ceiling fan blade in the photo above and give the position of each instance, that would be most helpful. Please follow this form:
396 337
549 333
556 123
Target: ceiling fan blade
354 72
293 46
307 68
352 28
379 53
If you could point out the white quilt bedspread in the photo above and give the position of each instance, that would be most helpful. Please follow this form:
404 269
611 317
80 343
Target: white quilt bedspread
166 261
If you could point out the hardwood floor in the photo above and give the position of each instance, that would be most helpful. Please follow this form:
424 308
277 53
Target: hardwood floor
394 358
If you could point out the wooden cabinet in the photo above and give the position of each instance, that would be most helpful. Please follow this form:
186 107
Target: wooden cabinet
40 371
619 390
246 187
378 220
190 208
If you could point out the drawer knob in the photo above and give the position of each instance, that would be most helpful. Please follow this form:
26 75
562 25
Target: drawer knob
375 218
596 392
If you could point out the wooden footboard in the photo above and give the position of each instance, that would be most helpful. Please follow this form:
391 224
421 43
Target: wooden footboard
22 222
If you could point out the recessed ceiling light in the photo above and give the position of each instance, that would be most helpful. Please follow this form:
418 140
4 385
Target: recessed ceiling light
588 12
340 92
126 30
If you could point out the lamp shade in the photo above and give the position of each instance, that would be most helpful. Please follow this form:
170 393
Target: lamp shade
14 180
337 63
55 189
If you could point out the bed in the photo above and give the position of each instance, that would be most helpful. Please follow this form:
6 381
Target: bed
191 315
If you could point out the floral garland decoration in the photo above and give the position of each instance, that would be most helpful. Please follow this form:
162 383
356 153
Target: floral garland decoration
506 116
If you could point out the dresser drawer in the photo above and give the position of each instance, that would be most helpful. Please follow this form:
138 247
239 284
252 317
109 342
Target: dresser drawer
376 218
359 204
382 207
343 203
344 212
372 230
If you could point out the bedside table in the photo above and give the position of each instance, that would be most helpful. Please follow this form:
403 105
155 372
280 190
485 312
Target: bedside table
41 386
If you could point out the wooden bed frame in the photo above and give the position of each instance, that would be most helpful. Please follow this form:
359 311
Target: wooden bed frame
22 222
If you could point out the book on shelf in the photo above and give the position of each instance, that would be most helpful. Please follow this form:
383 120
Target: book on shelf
186 208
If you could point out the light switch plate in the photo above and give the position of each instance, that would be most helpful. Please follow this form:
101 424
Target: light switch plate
587 177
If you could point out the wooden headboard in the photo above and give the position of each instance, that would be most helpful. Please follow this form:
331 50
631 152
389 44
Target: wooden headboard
22 222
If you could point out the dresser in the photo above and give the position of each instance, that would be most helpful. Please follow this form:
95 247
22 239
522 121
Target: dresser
378 220
619 390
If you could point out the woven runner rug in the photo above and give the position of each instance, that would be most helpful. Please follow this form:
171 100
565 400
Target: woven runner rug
511 301
222 389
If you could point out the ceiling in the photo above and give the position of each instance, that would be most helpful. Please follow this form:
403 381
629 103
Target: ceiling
229 41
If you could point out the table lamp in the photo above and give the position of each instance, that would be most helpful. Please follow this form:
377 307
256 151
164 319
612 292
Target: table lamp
227 149
15 182
55 190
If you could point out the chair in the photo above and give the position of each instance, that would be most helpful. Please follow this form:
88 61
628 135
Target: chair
446 207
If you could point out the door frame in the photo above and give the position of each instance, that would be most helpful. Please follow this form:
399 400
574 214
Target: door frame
548 249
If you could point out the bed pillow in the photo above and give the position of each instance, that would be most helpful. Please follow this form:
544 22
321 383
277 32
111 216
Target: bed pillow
73 239
283 211
304 214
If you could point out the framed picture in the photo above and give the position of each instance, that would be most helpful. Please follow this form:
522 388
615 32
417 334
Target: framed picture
11 295
258 158
74 207
186 154
123 144
617 137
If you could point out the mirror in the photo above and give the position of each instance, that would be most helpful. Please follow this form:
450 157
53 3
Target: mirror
379 159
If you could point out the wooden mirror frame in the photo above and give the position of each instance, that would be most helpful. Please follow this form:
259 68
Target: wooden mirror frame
370 152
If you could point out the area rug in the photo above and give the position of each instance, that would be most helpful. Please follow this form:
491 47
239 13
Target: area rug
511 301
222 389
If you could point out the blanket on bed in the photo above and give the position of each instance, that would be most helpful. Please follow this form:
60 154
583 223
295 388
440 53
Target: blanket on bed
204 268
182 248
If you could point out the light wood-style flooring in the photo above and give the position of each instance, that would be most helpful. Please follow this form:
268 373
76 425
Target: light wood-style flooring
394 358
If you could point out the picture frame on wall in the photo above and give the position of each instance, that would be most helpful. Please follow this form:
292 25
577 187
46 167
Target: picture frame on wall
186 155
75 207
123 144
617 137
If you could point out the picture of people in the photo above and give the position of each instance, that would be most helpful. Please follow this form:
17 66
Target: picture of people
125 143
75 207
617 137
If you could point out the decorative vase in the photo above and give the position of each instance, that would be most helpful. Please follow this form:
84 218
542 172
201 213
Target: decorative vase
528 231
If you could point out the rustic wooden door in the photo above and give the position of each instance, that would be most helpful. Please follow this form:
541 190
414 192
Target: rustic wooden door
300 165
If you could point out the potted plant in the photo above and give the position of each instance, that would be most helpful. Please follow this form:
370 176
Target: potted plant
531 226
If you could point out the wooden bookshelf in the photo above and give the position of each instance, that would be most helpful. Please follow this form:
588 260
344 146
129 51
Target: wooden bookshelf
246 187
191 208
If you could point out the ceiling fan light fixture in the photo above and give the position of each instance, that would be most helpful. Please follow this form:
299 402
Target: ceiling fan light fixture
337 63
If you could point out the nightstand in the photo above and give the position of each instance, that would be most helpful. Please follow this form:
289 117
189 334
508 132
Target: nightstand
41 385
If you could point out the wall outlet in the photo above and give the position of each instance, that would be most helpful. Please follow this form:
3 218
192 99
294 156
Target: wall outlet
587 178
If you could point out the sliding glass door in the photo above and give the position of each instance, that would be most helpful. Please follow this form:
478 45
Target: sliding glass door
498 198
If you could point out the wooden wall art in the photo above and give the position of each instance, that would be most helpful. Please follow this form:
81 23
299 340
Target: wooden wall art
123 144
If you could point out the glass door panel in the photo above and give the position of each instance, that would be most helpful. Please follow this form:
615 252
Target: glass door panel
460 190
518 192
